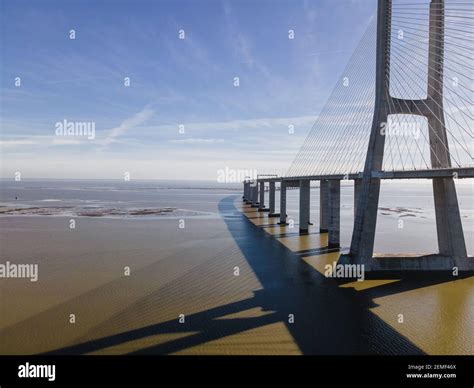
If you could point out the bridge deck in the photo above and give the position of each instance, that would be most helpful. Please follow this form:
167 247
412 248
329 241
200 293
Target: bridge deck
462 172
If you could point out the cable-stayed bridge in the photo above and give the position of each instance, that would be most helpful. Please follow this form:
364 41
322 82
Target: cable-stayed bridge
403 109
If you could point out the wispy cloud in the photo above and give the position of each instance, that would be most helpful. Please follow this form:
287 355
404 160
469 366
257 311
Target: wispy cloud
16 143
128 124
192 140
241 125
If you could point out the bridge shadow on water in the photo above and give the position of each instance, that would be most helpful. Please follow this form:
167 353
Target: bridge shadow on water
328 319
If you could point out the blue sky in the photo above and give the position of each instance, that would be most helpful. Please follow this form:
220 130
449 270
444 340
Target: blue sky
173 82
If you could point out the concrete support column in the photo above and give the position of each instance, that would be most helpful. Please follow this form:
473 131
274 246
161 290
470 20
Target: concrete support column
334 213
246 191
271 197
451 241
323 206
357 191
282 203
254 189
261 202
304 205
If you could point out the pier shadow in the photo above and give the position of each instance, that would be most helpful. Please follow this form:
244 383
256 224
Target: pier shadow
321 317
291 234
317 251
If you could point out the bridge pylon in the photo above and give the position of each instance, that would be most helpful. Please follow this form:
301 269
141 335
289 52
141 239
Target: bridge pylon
451 245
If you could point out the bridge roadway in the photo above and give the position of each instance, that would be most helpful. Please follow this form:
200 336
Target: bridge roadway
330 192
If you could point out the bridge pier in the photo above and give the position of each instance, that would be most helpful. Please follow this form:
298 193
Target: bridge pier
261 203
246 192
357 191
283 203
271 200
304 205
323 206
448 223
334 216
254 194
